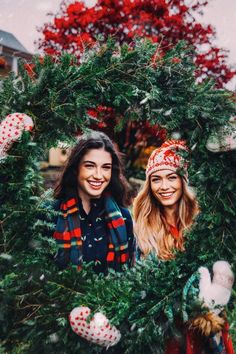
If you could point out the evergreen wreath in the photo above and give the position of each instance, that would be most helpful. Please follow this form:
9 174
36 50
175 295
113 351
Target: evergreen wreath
36 298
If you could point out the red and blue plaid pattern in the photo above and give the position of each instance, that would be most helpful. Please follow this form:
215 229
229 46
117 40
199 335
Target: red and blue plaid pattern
68 233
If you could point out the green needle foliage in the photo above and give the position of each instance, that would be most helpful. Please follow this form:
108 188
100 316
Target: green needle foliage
143 302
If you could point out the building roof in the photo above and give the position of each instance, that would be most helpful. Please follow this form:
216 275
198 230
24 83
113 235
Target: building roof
7 39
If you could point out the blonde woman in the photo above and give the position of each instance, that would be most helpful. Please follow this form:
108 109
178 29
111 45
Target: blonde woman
163 210
166 205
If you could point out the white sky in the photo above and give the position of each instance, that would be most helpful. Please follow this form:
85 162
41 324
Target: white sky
21 17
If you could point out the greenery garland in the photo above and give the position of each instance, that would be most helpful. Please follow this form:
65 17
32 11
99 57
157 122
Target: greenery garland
35 297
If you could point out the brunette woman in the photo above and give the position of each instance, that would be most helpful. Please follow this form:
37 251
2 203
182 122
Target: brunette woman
94 225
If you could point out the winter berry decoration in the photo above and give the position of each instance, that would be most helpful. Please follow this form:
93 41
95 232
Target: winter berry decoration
97 331
11 129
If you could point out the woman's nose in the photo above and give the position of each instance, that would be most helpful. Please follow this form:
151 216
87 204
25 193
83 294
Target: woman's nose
164 184
98 173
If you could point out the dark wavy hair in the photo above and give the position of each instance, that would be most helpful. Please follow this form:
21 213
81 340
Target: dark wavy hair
68 184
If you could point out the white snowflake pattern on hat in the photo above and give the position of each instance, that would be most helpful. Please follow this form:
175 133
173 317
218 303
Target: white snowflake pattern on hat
167 156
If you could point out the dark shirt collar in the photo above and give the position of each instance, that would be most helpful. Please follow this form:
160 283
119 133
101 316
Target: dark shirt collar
97 204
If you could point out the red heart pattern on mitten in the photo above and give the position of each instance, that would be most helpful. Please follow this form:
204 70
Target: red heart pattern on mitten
11 129
97 330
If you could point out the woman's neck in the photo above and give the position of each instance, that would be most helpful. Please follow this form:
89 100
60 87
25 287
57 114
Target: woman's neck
85 199
171 214
86 205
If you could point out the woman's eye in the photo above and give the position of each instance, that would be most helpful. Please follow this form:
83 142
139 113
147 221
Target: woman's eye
155 180
107 168
172 178
89 166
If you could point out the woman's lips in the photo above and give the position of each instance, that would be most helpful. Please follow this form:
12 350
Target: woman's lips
95 184
166 195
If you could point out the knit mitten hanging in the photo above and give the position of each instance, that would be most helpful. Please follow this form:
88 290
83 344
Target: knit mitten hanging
97 330
11 129
211 294
215 293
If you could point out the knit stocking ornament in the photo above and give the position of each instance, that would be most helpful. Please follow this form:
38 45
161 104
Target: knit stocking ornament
97 330
11 129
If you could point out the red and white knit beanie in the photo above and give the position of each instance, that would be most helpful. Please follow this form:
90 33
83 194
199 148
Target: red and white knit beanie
168 157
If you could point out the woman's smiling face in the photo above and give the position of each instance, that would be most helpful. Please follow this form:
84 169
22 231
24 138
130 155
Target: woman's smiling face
166 187
94 173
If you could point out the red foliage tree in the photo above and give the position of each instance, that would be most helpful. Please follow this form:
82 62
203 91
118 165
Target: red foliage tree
76 27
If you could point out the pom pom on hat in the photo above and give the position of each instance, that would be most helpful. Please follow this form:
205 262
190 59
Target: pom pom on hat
167 157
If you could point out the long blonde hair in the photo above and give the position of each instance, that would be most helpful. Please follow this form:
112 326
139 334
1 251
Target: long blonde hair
151 229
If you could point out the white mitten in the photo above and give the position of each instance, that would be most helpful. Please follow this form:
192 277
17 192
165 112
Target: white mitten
11 129
97 331
216 293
